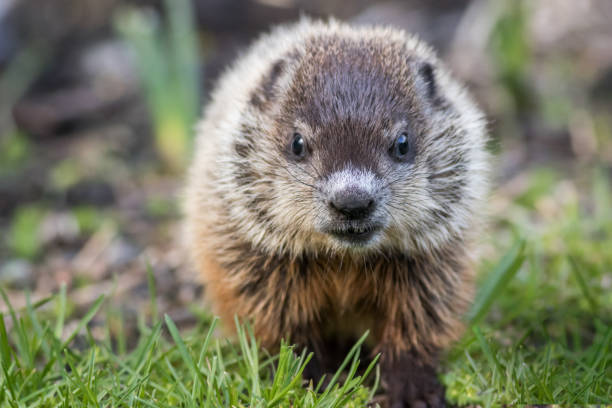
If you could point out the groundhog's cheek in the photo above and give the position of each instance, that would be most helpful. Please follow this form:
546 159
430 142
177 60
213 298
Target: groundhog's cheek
293 208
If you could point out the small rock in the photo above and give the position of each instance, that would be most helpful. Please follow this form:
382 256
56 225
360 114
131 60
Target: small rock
121 252
17 274
91 192
110 65
59 227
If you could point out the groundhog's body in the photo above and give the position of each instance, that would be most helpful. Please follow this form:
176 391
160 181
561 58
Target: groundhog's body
334 189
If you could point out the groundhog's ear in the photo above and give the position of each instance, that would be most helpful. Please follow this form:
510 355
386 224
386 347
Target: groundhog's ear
427 83
267 90
428 78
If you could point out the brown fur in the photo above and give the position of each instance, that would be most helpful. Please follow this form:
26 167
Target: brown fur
416 302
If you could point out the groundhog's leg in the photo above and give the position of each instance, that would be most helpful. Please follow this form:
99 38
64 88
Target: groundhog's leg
308 337
423 305
315 369
412 382
328 355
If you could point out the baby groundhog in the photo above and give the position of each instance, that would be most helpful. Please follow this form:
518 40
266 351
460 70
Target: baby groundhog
337 178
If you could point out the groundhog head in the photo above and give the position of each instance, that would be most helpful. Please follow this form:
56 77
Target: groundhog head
359 143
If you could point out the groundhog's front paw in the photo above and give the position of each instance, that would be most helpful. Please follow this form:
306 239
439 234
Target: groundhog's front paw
410 382
413 396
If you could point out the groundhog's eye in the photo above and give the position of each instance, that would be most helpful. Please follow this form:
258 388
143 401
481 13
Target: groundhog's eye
298 147
401 149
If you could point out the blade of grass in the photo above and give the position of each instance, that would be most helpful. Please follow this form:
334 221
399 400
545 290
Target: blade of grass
486 349
7 358
505 270
152 293
183 349
40 331
376 380
83 322
61 311
22 337
183 44
583 285
249 349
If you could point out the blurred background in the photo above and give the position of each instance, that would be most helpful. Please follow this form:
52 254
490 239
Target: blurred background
98 99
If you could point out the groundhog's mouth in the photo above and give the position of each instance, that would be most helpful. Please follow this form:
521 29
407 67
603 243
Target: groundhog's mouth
356 235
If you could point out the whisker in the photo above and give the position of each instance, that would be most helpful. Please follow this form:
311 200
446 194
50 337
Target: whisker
298 180
306 172
313 167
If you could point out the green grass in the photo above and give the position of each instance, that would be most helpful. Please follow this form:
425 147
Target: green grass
43 364
548 336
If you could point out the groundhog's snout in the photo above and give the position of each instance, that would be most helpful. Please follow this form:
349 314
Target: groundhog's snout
351 194
353 203
352 198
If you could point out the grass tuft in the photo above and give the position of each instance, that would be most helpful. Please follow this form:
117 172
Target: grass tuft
43 366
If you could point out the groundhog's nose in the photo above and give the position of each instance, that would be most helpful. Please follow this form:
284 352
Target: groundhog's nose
353 204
